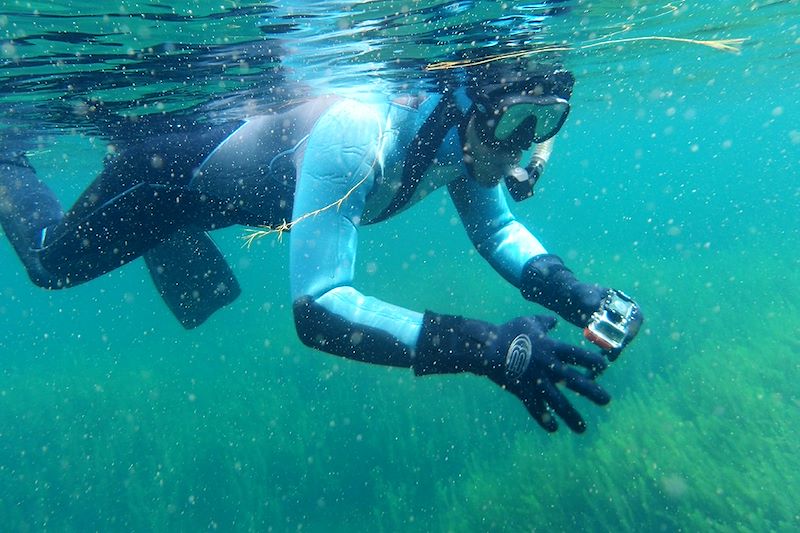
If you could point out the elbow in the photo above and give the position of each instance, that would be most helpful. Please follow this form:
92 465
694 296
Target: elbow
308 322
322 330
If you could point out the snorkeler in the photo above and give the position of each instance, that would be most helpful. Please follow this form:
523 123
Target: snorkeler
348 164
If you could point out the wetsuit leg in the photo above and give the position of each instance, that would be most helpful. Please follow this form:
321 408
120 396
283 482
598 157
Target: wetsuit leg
192 276
138 205
26 206
137 202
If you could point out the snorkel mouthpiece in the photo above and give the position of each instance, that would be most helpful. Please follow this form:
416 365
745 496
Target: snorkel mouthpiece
521 181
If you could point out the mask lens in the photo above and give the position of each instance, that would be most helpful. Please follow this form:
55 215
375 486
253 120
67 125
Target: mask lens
549 115
512 118
550 119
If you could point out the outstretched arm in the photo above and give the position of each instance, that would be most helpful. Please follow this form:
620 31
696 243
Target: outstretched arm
342 156
541 277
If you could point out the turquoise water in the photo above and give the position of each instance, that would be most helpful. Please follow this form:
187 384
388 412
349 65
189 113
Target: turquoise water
675 178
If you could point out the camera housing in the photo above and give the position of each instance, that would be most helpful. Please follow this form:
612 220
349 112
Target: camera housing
609 326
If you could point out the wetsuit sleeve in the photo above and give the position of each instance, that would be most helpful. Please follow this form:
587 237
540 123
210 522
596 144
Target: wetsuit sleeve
504 242
345 147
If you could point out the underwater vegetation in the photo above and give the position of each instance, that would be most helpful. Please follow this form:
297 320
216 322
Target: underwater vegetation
701 434
710 446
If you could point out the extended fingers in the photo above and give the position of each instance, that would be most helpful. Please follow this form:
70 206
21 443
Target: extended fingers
561 406
575 355
577 382
539 411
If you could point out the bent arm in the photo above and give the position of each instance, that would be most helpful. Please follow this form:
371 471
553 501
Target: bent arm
330 314
505 243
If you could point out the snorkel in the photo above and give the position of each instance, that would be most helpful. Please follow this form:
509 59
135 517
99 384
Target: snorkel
521 181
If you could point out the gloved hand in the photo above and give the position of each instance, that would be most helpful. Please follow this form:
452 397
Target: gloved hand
518 356
546 281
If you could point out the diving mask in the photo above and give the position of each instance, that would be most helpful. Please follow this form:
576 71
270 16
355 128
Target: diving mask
517 122
525 120
524 109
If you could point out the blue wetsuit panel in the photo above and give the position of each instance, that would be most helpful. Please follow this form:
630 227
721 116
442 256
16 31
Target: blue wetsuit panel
342 156
505 243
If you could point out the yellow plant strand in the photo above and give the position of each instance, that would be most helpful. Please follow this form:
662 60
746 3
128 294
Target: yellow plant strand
255 234
725 45
443 65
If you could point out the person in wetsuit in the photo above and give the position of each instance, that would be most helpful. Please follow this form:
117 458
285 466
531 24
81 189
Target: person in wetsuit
158 199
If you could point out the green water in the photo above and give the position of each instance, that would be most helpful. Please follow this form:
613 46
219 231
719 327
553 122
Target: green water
675 179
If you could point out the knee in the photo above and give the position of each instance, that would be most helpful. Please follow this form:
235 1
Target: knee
44 279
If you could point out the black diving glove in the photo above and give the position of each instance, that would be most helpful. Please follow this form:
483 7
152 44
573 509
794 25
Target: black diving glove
610 318
518 356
